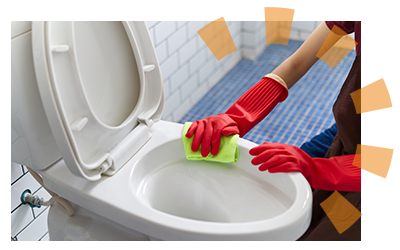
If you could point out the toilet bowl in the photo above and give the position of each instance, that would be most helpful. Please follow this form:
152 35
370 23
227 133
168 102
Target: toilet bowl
122 168
167 197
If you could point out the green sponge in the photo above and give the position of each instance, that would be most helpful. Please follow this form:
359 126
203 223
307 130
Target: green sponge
228 149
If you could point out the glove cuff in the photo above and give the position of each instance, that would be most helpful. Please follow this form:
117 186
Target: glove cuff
278 79
342 174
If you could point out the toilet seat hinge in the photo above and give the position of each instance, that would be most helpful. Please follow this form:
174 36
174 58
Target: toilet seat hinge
148 122
106 164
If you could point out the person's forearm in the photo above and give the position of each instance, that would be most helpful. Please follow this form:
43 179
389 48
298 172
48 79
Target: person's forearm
294 67
289 72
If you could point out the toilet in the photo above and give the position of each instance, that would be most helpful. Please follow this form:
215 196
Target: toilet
87 98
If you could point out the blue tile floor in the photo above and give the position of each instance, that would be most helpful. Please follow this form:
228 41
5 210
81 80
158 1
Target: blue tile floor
305 113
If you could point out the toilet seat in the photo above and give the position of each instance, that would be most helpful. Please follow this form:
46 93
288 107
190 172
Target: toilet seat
100 97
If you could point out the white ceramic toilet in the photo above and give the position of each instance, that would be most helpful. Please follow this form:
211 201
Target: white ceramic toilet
87 98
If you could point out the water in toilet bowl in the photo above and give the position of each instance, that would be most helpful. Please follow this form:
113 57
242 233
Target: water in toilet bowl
212 192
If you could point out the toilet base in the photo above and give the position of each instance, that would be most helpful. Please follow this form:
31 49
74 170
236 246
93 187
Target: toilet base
87 226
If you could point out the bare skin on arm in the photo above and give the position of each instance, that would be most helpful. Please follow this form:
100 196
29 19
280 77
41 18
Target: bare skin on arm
295 66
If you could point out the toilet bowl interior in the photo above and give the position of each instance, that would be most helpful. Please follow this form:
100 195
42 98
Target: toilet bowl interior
166 181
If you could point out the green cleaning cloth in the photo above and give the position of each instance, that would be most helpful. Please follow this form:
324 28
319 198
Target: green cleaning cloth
228 149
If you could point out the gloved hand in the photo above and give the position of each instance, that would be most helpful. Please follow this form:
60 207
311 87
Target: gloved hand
208 132
241 117
335 173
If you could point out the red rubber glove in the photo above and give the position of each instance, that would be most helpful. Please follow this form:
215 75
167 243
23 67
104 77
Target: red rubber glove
335 173
241 117
254 105
208 132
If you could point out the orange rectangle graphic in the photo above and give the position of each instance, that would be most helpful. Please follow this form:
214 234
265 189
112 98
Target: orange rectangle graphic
218 39
336 46
278 23
375 160
372 97
340 211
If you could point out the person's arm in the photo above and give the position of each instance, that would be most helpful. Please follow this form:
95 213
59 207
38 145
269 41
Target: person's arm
259 100
295 66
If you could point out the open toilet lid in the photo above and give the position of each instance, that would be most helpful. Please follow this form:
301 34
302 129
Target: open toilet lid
101 89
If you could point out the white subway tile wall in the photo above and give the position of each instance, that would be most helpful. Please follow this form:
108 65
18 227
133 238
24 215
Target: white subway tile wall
189 70
188 67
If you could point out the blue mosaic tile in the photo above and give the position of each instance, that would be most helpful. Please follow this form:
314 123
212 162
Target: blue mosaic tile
305 113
